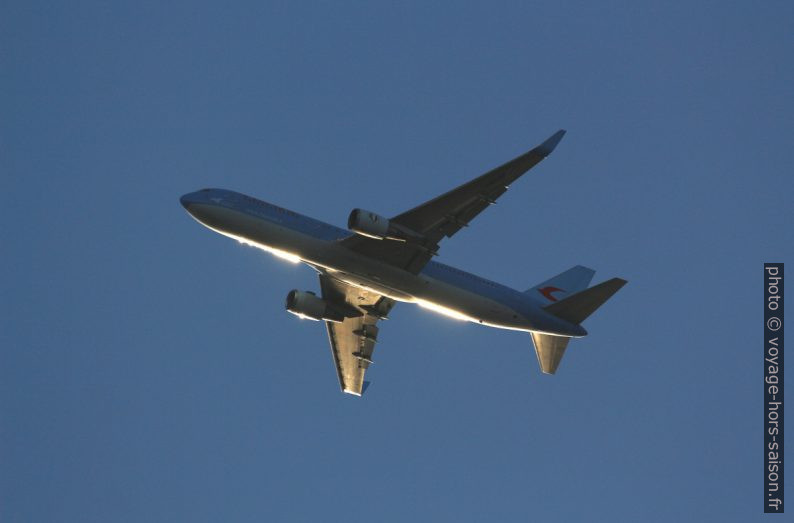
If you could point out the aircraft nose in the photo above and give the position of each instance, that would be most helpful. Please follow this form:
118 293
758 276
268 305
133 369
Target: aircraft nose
185 201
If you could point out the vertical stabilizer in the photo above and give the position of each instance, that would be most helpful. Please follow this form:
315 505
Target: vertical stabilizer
561 286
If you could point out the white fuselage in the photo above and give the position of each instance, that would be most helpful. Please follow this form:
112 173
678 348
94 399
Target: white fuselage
357 270
438 287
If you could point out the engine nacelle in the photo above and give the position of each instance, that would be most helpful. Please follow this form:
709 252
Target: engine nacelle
368 224
308 305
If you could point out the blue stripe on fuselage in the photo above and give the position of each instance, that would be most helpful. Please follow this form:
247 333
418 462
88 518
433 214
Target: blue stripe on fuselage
272 213
478 285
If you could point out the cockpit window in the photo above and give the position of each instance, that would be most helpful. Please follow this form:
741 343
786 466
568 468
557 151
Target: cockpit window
205 190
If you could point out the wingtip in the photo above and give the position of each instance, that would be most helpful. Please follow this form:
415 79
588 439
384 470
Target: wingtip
550 144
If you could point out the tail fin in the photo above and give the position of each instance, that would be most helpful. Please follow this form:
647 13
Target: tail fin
574 309
561 286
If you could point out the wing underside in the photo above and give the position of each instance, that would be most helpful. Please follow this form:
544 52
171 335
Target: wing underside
445 215
353 340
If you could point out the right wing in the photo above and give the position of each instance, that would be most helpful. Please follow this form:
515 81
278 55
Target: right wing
353 340
445 215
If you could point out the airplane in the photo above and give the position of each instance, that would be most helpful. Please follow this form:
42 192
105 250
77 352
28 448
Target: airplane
377 262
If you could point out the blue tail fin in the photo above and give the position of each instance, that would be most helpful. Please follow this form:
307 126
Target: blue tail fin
561 286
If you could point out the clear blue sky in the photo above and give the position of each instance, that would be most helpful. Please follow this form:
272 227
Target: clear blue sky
149 372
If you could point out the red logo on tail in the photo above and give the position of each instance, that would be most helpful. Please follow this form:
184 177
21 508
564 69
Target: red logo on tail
546 291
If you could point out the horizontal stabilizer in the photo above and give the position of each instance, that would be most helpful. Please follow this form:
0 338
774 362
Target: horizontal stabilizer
577 308
549 350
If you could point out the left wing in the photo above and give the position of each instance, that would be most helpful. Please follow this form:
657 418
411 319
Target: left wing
445 215
353 340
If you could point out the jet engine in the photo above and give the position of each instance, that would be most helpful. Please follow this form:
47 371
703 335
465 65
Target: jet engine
307 305
367 223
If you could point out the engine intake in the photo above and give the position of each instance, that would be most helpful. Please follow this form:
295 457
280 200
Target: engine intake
368 224
308 305
372 225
